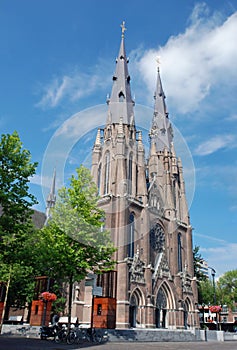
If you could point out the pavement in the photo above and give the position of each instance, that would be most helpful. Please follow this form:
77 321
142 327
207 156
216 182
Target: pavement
22 343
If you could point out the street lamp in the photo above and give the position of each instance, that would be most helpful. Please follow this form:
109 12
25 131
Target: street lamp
213 273
46 303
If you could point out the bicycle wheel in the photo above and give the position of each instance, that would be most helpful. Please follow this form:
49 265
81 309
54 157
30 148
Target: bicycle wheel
98 338
71 337
60 336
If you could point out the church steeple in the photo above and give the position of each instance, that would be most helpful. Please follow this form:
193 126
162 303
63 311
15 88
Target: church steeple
120 103
51 200
161 131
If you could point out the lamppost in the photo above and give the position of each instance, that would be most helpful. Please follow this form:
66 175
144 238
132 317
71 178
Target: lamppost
213 273
45 303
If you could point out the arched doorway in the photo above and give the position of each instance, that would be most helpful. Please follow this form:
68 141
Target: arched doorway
160 311
133 307
136 309
187 315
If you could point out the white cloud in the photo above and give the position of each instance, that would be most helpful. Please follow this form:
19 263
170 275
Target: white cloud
221 257
232 118
35 179
45 181
218 253
73 86
194 62
214 144
210 238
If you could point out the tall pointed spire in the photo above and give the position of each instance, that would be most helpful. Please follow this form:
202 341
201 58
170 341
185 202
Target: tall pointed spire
161 130
121 103
51 200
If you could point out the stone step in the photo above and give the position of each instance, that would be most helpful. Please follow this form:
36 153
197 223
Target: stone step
152 335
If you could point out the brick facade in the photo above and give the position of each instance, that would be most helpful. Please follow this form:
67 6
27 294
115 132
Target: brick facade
146 213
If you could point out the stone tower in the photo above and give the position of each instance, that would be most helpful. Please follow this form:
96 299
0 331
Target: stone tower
146 212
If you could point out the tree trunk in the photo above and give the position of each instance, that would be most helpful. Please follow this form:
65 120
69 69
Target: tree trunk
5 301
70 302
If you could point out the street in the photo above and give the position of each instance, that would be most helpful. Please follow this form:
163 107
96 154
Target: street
16 343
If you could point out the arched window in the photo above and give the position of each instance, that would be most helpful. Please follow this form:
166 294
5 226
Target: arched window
121 96
106 174
130 173
179 252
131 236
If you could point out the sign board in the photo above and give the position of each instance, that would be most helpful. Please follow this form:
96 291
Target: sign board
97 291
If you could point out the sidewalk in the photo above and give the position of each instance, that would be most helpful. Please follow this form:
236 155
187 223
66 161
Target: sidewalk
16 343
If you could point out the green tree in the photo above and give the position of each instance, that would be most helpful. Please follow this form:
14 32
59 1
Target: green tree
197 262
74 242
202 280
205 292
15 204
15 199
227 288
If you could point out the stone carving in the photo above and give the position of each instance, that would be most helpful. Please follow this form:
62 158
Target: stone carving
186 281
136 269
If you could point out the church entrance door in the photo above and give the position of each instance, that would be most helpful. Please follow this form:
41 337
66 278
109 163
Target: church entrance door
133 307
160 312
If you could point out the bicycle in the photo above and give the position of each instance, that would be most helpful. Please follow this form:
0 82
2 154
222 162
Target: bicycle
61 335
96 335
76 335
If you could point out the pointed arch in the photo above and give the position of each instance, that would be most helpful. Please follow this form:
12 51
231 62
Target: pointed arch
136 308
188 317
121 96
106 172
180 265
130 177
164 302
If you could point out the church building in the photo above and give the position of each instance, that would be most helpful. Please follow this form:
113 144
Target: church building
144 199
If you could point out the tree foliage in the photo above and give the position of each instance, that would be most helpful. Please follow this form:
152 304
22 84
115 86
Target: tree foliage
197 261
74 242
205 292
16 225
15 199
227 288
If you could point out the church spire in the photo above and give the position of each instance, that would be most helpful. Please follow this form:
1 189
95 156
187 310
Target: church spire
120 103
161 130
51 200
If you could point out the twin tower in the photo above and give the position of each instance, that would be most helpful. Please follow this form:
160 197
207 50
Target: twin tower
146 213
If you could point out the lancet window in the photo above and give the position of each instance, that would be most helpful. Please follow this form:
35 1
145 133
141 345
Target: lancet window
106 174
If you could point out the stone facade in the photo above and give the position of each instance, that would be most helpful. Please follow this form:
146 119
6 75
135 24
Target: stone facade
146 213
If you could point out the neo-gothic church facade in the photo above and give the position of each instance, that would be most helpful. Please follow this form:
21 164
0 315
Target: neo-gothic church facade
146 212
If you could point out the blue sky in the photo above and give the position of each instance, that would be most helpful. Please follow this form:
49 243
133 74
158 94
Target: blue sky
57 59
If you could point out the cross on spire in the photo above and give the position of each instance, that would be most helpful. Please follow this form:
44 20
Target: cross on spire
158 62
123 28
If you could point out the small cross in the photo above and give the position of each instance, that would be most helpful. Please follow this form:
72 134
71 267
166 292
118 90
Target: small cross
123 28
158 62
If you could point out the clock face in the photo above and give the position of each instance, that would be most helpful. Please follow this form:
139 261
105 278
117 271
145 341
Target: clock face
157 238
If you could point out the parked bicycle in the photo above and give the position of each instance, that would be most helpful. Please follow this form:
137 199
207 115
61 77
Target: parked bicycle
76 335
94 335
97 335
48 332
61 335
